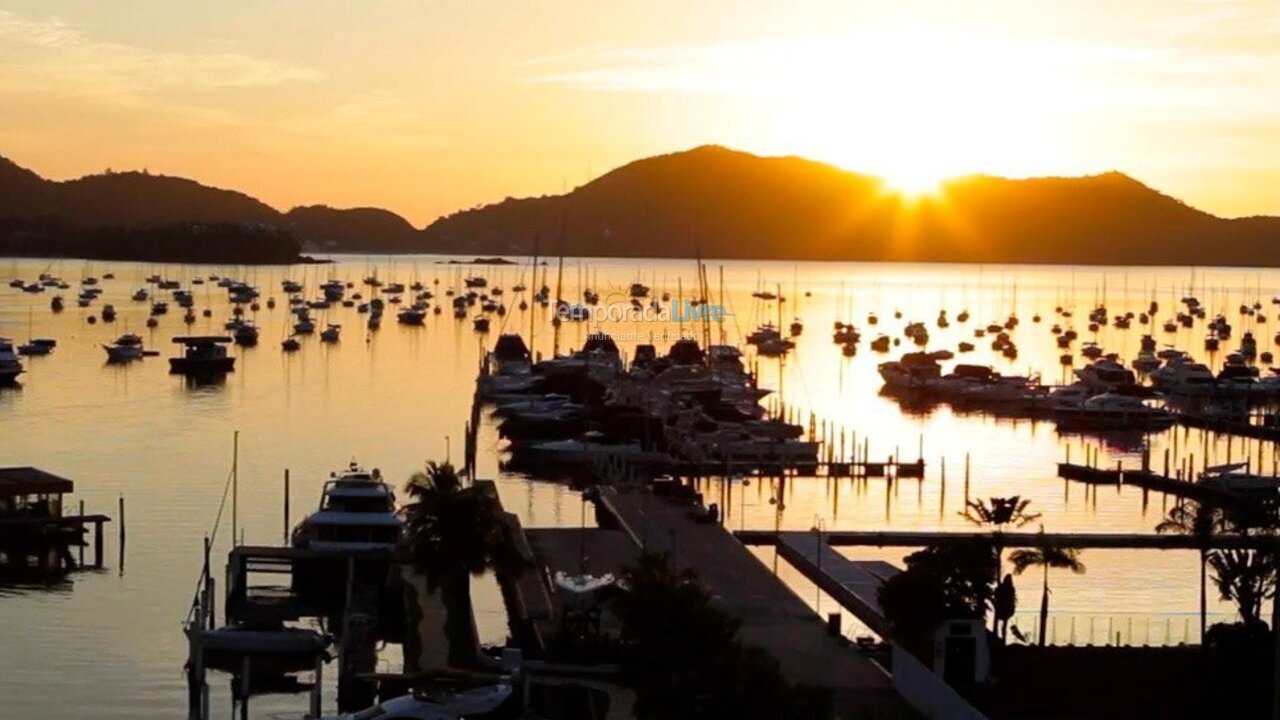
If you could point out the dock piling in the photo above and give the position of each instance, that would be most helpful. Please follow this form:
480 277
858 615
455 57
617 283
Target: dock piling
286 505
81 560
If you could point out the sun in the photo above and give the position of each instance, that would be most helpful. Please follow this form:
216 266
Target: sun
925 107
914 179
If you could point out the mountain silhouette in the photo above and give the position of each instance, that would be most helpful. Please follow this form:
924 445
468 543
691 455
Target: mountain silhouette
716 202
709 201
354 230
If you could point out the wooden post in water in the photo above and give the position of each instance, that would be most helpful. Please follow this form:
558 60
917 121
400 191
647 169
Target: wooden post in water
286 505
97 544
244 689
120 561
966 479
315 688
942 486
82 538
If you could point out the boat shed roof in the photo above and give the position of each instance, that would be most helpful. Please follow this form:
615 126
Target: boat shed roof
15 481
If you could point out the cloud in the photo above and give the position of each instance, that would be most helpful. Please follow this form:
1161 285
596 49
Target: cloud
65 58
1175 69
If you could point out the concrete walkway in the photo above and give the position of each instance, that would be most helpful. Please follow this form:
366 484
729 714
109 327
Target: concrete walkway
773 617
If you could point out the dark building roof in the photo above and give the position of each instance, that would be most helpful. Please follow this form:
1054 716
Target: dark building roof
16 481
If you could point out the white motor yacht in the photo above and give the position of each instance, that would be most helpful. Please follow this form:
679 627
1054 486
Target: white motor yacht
10 364
1106 376
1181 375
592 447
1109 411
913 371
357 512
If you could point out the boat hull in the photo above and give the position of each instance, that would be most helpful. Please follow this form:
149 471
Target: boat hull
187 366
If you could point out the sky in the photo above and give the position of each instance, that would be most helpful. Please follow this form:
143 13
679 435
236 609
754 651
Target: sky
427 107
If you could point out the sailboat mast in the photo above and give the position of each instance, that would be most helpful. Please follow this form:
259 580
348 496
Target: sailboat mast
533 314
680 295
555 321
235 486
723 339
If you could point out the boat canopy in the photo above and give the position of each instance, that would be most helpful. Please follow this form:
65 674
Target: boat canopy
196 340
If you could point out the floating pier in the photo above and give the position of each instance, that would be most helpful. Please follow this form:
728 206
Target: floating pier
1145 479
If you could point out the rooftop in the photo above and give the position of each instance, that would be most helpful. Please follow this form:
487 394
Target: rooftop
16 481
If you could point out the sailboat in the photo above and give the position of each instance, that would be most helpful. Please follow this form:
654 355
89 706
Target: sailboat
35 346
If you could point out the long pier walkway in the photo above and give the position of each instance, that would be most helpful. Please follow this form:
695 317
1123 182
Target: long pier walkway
773 617
919 538
851 583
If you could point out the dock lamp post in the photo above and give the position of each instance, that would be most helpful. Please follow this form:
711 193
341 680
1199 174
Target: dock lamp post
819 527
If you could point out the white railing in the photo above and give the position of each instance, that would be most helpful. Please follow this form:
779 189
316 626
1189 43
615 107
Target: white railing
1119 629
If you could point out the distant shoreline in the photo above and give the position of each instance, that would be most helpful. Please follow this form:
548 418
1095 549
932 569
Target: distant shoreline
522 260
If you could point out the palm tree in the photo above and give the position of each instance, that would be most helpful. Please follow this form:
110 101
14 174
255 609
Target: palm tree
1201 521
999 513
1246 577
453 532
1046 557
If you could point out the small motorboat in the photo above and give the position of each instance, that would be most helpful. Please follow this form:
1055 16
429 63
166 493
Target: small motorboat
304 326
39 346
290 344
581 593
127 347
331 333
245 334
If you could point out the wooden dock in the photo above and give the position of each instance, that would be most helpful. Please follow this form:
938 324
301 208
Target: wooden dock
773 617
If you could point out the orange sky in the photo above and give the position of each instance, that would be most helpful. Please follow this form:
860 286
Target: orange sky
429 106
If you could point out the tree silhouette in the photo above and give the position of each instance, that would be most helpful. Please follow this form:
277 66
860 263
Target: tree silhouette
1046 557
1201 521
453 532
999 513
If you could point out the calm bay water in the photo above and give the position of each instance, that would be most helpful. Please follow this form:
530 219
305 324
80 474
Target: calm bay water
395 398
